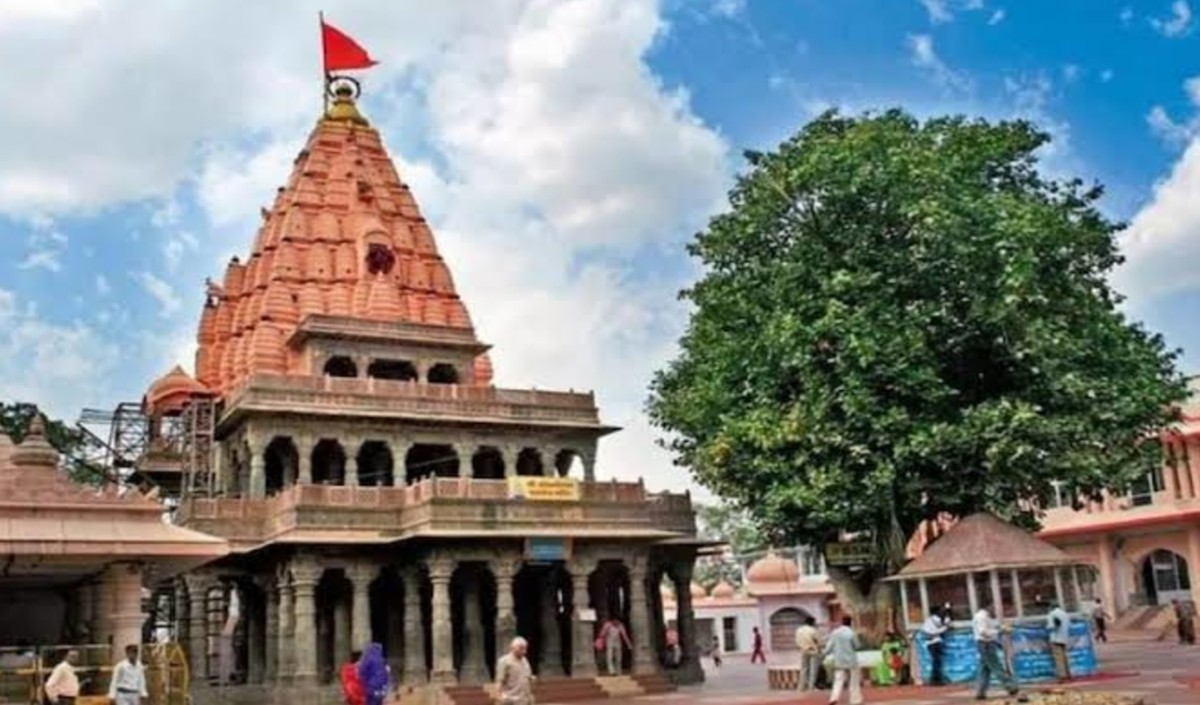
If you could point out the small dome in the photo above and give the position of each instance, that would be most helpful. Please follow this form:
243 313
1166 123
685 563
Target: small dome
33 450
698 591
723 591
168 393
773 569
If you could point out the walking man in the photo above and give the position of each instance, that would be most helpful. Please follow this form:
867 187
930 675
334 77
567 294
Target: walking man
842 649
987 641
758 652
128 685
933 629
809 643
514 677
1059 624
614 636
1100 620
62 687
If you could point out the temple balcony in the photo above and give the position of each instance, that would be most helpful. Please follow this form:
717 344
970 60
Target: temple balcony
1167 496
389 399
438 508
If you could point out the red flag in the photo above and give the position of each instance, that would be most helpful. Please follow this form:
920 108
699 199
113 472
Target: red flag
342 52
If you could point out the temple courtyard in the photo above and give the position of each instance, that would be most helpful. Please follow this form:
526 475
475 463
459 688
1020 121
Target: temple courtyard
1154 671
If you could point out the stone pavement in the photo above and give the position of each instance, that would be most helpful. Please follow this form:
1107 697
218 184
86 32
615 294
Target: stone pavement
1156 671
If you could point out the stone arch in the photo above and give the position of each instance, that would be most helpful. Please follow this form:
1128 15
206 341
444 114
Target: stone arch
442 373
783 624
426 459
529 462
396 370
487 464
328 463
281 461
340 366
375 465
386 595
1164 577
568 463
335 603
472 610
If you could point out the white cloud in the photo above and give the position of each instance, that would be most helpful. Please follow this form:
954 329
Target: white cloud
997 16
1178 24
45 245
1070 72
1106 75
942 11
728 8
939 11
924 57
1126 16
1177 133
162 292
103 287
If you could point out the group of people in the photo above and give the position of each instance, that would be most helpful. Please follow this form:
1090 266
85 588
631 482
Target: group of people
365 677
127 686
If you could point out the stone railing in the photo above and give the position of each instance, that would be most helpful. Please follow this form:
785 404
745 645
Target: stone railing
1117 509
433 505
395 398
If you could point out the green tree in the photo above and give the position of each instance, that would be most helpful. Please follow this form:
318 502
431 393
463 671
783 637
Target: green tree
724 522
15 418
899 318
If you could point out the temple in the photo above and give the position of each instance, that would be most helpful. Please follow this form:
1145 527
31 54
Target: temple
343 434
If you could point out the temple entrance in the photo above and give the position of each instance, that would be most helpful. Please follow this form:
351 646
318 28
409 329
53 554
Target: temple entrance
387 616
472 610
610 588
784 624
334 597
1165 578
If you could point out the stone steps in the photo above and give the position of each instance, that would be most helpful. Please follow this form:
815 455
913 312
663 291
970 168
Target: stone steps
550 690
655 684
620 686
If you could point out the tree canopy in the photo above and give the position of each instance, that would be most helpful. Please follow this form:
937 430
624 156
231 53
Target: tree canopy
724 522
899 318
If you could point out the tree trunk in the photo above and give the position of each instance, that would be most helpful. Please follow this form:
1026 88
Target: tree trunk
873 610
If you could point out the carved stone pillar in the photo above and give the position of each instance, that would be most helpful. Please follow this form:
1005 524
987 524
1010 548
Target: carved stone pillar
353 445
304 586
304 450
474 666
285 657
504 570
400 448
361 575
588 458
549 460
551 662
271 667
415 668
440 571
124 616
256 641
686 619
640 619
198 587
583 657
256 448
510 453
465 453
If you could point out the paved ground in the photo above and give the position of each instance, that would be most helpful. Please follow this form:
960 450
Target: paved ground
1154 670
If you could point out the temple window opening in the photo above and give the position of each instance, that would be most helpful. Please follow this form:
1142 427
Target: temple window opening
443 373
487 464
282 461
529 462
397 370
380 259
328 463
568 463
425 460
375 466
341 366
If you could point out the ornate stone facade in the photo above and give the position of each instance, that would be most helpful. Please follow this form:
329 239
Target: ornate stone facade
365 465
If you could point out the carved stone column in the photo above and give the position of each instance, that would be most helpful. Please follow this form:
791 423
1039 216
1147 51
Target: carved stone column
551 662
400 448
588 458
440 571
271 604
474 666
124 614
305 575
304 450
256 447
415 669
583 657
549 460
504 570
353 445
286 662
361 575
510 454
640 618
686 619
465 453
198 587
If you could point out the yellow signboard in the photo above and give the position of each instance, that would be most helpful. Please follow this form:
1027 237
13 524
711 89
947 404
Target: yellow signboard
544 489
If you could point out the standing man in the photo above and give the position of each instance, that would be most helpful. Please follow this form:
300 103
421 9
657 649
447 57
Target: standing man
613 636
987 641
62 687
758 652
514 677
933 629
1099 619
809 643
842 648
128 685
1059 624
1185 622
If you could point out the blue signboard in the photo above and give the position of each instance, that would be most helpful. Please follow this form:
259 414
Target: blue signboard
540 549
1032 660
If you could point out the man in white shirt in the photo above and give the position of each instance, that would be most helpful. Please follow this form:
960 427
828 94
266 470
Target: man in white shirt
128 685
842 649
62 687
514 678
987 641
1058 622
809 643
933 629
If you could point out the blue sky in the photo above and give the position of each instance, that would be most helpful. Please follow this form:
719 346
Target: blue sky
564 152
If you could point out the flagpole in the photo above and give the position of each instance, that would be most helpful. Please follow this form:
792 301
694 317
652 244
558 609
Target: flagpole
324 73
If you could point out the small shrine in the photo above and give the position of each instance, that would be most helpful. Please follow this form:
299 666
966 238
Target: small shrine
982 561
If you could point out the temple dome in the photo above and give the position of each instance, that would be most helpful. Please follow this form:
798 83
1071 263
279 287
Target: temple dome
698 591
168 393
723 591
773 569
